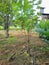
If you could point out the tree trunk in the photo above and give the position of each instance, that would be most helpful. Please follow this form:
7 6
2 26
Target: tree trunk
6 25
28 42
22 24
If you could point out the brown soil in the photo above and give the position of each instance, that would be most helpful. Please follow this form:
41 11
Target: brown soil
20 56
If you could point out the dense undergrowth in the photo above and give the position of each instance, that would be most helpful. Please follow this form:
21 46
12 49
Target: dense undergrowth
43 29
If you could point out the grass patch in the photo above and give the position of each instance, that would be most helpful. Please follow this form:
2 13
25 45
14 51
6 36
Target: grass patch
10 40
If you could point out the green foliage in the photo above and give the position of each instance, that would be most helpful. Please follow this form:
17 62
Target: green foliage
1 27
22 12
43 28
25 16
12 28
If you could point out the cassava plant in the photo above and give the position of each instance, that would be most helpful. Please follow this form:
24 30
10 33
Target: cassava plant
28 16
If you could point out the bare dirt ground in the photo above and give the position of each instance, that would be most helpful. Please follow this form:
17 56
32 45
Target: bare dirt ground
15 54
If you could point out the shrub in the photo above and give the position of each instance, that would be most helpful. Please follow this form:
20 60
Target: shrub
12 27
43 28
1 27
